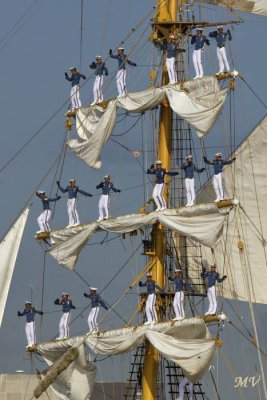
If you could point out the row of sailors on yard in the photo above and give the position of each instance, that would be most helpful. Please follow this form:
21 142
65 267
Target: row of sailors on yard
211 277
172 48
158 193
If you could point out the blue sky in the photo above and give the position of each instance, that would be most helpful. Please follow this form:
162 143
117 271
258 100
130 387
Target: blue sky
33 88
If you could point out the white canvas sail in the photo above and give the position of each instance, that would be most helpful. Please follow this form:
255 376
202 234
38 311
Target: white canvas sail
246 179
249 6
198 102
203 223
9 248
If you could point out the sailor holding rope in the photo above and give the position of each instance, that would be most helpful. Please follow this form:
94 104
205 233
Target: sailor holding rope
178 301
72 189
46 214
172 48
67 306
96 301
211 278
199 41
121 74
157 194
189 169
100 69
106 187
150 284
221 38
30 312
75 89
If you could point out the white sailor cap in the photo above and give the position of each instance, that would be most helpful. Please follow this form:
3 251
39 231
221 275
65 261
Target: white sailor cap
177 270
190 156
65 294
213 266
158 162
172 37
41 192
93 288
149 274
98 56
199 28
218 154
219 27
106 176
72 68
120 48
27 302
72 180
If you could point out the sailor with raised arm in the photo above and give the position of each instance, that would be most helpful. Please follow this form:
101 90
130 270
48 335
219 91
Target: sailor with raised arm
178 301
157 194
106 187
150 284
121 74
189 168
67 306
96 301
182 386
211 278
46 214
72 189
199 41
221 38
172 48
100 69
29 311
75 89
218 163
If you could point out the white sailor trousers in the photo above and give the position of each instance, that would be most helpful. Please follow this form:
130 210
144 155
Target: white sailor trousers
72 212
158 195
182 386
212 300
151 314
190 191
64 325
98 93
197 61
170 63
218 186
30 333
103 206
222 58
121 82
178 304
92 319
43 220
75 96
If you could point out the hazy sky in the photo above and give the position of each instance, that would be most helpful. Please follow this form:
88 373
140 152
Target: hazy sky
34 56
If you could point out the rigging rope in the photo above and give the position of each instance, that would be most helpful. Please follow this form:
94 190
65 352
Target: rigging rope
81 33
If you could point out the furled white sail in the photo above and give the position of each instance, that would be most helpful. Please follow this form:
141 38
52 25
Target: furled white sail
256 7
202 223
198 102
9 248
186 342
246 179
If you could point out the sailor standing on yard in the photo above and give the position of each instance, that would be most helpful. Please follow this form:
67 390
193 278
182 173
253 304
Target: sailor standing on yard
30 312
151 314
100 69
46 214
72 189
211 278
189 169
218 165
96 302
67 306
178 301
172 48
221 38
159 186
121 74
75 89
198 40
106 187
182 386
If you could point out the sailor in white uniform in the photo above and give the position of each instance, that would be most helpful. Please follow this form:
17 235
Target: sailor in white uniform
72 189
172 48
199 41
157 194
100 69
189 169
182 386
211 278
45 216
75 89
96 301
218 165
121 74
106 187
30 312
221 38
67 306
178 301
150 284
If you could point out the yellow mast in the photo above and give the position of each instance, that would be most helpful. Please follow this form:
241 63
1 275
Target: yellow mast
166 11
